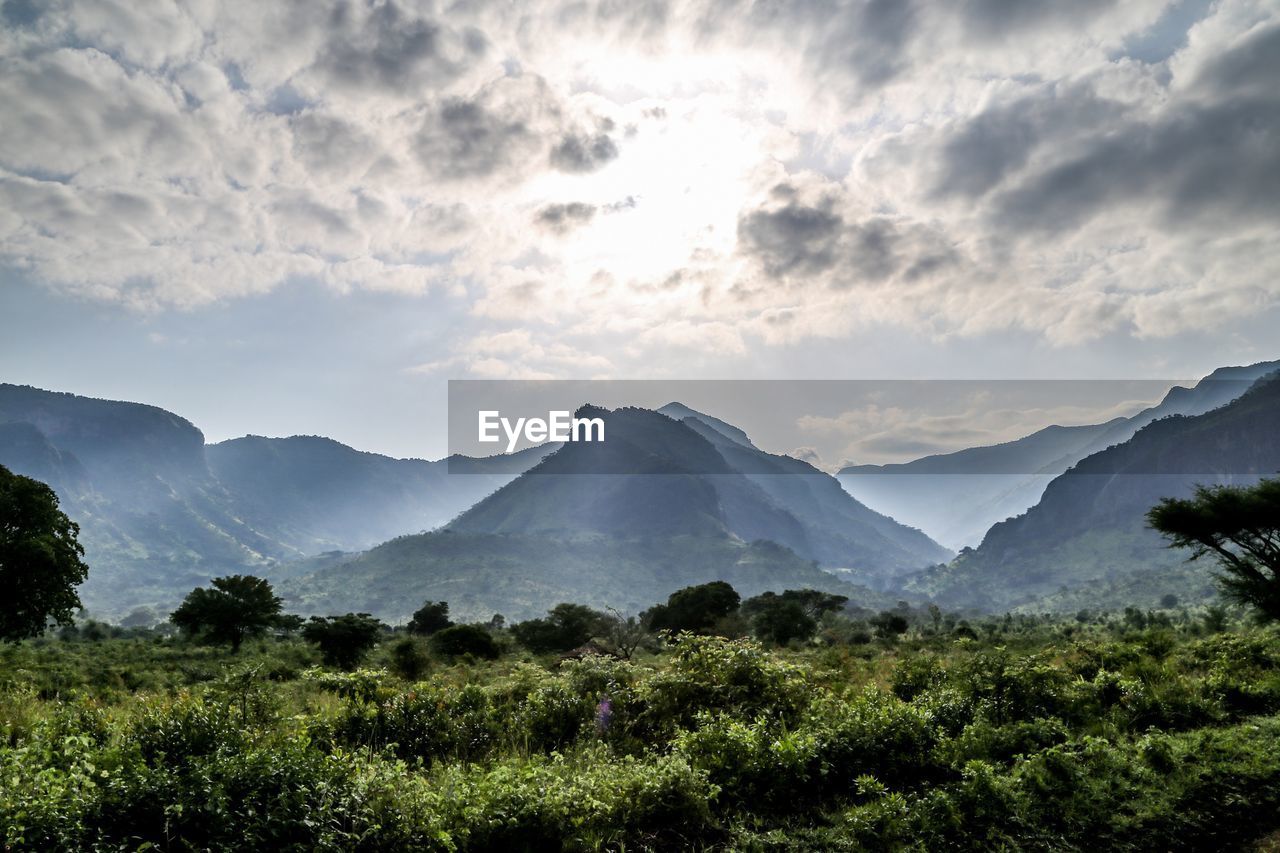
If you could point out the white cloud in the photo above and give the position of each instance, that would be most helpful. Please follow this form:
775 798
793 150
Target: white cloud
756 173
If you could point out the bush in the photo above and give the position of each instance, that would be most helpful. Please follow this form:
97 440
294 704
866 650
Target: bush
409 659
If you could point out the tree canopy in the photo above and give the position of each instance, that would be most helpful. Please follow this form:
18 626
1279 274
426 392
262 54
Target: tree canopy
694 608
431 617
566 626
236 607
458 640
1240 527
343 640
40 558
793 615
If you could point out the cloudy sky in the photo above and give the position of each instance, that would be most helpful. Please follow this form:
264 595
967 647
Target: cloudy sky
304 217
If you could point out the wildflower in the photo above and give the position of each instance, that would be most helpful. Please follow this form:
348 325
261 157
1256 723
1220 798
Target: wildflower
604 715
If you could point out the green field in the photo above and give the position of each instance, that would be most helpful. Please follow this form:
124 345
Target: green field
1125 732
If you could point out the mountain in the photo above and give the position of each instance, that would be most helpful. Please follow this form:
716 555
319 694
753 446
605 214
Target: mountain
1086 542
956 497
521 576
153 518
680 412
660 504
160 512
315 494
655 475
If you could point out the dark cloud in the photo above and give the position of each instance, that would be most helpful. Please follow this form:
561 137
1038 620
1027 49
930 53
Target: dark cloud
583 153
1250 70
984 19
792 239
883 27
625 204
514 127
1212 154
393 50
865 39
802 242
1200 164
561 218
466 139
328 143
1062 155
995 144
20 13
872 249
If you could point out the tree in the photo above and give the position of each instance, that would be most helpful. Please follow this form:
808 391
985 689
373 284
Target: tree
288 624
458 640
779 620
566 626
815 603
694 608
238 606
40 559
935 616
431 617
343 640
889 624
1240 527
408 659
625 634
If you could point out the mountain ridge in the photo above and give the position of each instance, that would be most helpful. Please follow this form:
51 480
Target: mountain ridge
958 496
1089 527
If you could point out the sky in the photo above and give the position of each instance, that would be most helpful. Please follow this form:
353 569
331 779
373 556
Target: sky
306 217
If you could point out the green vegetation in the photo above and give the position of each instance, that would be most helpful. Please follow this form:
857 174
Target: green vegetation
566 626
1135 730
233 609
343 641
694 608
430 617
530 574
40 558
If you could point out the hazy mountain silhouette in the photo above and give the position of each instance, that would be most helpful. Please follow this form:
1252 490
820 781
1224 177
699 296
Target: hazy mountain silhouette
1086 541
679 411
655 475
956 497
316 494
160 512
660 504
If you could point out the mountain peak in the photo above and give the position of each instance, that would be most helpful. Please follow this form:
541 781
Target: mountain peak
679 412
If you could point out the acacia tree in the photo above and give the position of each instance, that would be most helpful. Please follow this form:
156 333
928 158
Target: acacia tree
40 558
1240 527
237 606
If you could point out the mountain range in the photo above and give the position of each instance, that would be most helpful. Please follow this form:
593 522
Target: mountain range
663 503
957 497
160 511
674 497
1086 542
